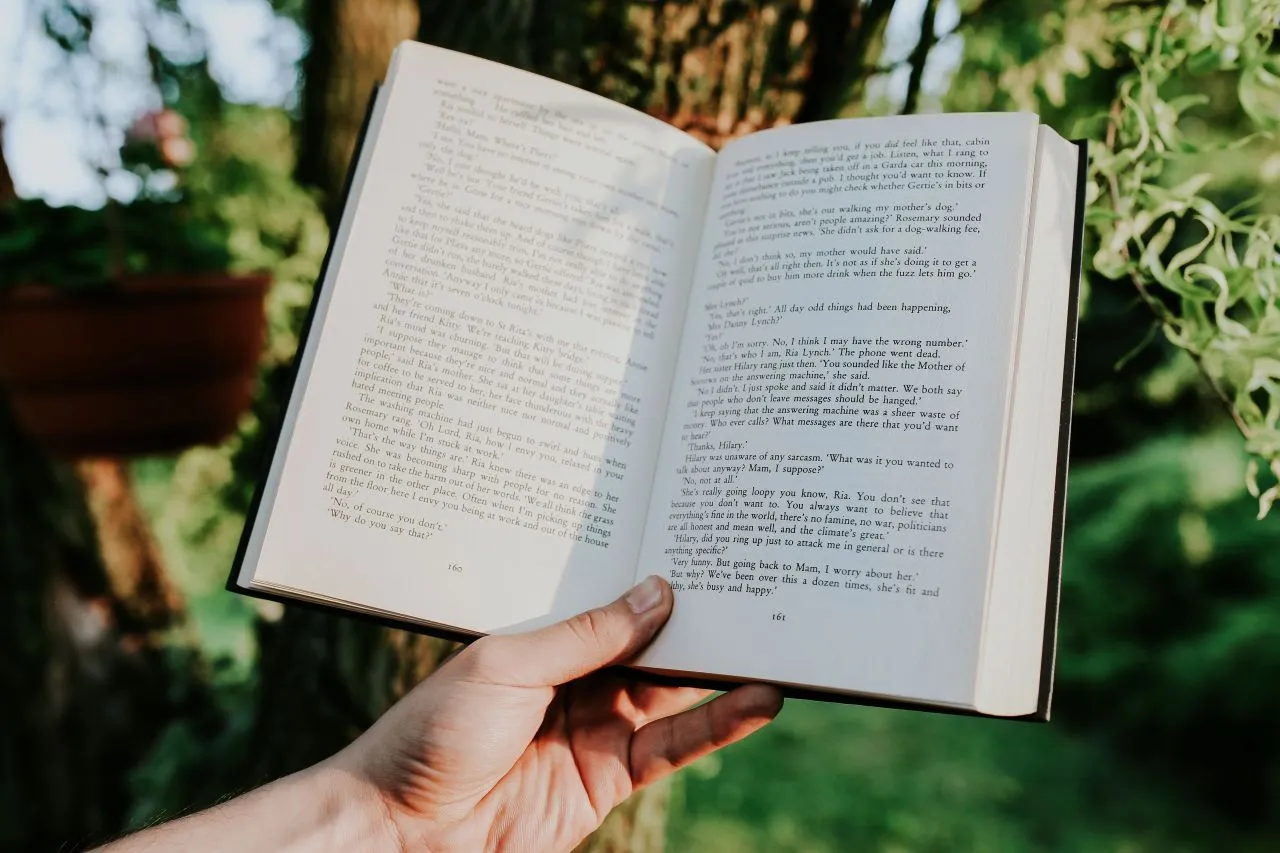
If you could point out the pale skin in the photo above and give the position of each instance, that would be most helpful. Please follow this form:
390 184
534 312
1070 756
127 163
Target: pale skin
518 743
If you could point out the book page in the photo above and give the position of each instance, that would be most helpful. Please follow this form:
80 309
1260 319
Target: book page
824 497
481 398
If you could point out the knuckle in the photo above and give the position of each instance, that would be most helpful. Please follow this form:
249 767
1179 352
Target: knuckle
591 628
669 749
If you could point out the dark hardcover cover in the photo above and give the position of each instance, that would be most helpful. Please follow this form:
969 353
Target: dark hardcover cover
1059 512
1049 653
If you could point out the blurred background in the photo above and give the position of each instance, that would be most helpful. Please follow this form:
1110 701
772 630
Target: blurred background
160 153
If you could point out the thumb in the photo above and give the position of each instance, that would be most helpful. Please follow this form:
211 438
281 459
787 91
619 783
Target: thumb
579 645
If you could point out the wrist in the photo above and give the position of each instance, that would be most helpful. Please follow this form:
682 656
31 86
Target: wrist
393 827
356 813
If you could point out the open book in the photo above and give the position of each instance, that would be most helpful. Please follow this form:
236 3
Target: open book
819 380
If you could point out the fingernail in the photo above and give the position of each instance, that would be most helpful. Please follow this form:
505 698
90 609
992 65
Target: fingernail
645 595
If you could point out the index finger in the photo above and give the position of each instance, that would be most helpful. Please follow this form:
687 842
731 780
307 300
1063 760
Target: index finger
663 746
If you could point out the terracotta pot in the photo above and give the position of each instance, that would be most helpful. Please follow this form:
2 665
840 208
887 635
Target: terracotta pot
156 364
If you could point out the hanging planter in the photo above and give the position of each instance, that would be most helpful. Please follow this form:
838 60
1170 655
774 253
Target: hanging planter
153 364
121 332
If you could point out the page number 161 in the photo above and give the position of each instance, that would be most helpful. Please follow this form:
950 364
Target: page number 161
779 617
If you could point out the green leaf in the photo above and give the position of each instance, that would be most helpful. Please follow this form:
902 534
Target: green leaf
1109 262
1259 92
1187 255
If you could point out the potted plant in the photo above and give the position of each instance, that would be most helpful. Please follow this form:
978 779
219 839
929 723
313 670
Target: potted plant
121 330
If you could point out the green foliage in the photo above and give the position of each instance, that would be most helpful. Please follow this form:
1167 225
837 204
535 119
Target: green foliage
829 779
88 250
279 227
1208 274
165 225
1170 588
193 758
237 208
1177 101
1170 643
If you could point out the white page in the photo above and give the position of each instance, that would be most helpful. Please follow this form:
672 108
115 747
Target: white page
510 231
913 629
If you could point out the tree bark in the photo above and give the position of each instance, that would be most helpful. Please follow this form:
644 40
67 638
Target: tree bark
87 686
849 37
134 567
350 45
920 56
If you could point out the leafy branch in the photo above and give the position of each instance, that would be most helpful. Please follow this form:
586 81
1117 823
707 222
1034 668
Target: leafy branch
1209 275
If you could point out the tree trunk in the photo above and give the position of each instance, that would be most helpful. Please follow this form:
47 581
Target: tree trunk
351 41
848 42
920 56
86 684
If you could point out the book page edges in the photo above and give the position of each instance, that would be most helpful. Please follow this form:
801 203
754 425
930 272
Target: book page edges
1020 631
1049 644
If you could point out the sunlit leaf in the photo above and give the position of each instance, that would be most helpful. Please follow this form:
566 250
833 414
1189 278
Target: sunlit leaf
1260 95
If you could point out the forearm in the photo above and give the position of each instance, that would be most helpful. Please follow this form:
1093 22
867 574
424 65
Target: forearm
320 809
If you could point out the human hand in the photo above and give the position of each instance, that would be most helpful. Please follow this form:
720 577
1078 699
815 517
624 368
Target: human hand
519 744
